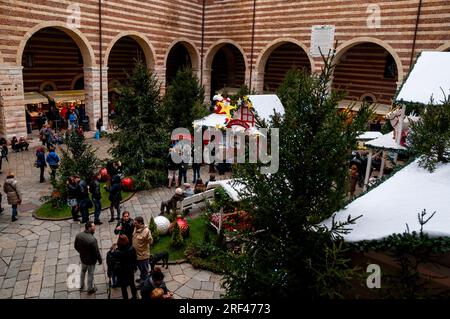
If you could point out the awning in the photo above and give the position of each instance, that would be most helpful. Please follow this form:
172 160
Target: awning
34 98
385 142
380 109
65 96
430 77
369 135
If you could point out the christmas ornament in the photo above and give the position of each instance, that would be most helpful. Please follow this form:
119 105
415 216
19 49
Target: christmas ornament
104 174
162 224
184 226
127 184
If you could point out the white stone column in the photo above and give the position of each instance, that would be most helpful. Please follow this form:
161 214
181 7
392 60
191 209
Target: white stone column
207 85
258 82
160 73
92 95
12 105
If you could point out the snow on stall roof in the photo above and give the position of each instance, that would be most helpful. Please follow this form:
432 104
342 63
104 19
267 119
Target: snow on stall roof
231 187
369 135
265 104
386 209
211 120
385 141
429 77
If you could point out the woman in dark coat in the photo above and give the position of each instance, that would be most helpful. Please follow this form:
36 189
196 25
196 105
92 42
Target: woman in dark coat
115 196
40 162
73 194
124 259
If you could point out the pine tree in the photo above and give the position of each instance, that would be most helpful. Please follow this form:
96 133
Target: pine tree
177 237
78 159
430 136
141 141
288 256
154 230
184 100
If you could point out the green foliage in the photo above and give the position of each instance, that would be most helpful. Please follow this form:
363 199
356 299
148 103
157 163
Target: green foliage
141 139
430 136
154 230
409 250
177 237
184 100
78 159
288 255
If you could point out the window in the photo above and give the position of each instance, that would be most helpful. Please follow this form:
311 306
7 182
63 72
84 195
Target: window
247 114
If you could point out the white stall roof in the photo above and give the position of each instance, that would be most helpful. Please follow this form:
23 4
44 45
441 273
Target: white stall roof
429 77
369 135
385 142
34 98
231 187
389 207
263 105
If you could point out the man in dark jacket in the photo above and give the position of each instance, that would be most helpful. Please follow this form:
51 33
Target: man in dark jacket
84 201
86 245
125 226
115 196
94 188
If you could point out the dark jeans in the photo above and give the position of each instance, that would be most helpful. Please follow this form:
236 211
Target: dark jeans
53 172
143 266
41 176
14 211
165 207
115 205
98 209
75 210
182 174
196 171
125 281
84 211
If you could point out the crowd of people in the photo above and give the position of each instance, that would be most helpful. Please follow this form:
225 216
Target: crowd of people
129 254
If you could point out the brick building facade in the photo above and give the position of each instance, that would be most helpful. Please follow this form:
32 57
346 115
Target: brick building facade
58 44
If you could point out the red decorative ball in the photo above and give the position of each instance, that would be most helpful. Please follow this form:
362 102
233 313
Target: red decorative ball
127 184
104 174
184 226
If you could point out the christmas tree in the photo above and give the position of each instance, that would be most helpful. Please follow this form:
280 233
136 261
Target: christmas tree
184 100
78 159
154 230
429 138
288 255
177 237
141 140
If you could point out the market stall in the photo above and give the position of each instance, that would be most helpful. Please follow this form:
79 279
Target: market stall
65 101
35 103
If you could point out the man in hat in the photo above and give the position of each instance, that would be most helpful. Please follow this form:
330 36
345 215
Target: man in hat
171 204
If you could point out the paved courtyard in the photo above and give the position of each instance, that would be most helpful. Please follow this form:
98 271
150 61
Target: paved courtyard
35 254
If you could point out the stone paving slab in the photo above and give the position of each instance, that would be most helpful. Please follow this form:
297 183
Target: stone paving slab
35 254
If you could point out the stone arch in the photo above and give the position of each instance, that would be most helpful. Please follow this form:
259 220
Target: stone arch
75 79
208 60
192 50
265 53
209 56
445 47
343 48
78 37
45 83
143 42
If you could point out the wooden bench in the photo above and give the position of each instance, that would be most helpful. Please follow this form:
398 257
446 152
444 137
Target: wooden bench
190 201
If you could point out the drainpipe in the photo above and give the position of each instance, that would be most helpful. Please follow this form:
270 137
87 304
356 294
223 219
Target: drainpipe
101 55
203 43
419 10
253 44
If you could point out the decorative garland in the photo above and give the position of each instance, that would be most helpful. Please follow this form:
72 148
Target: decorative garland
224 106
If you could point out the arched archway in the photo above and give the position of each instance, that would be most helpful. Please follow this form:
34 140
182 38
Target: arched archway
78 82
51 58
79 38
225 67
368 68
277 58
143 42
181 53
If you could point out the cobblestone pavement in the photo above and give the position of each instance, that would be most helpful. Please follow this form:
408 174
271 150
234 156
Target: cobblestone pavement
35 254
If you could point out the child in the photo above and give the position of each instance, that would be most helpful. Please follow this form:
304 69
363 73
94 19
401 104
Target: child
110 262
